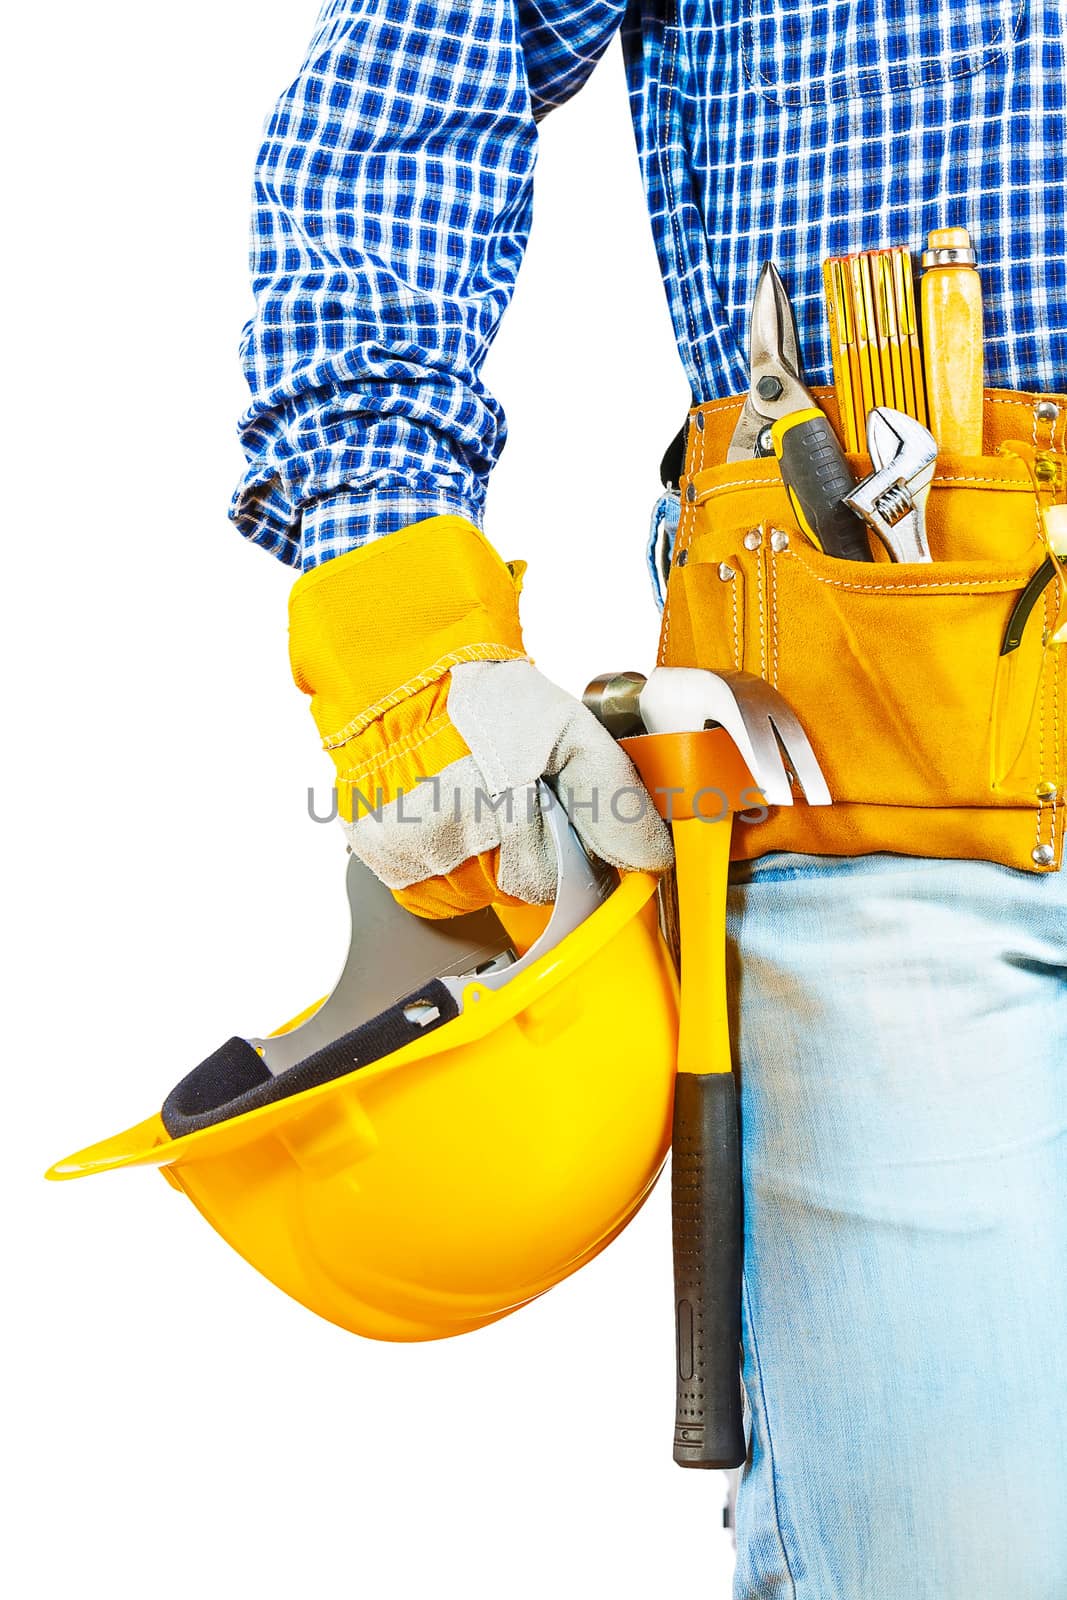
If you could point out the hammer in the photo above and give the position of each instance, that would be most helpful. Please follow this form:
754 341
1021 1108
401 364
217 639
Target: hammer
709 746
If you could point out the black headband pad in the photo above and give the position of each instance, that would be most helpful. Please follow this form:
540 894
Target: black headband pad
235 1079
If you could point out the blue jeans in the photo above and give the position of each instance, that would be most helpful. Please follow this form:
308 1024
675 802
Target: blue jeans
901 1030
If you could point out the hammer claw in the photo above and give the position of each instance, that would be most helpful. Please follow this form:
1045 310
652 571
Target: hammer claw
757 718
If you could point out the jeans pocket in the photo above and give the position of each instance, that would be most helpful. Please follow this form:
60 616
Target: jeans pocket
659 548
809 52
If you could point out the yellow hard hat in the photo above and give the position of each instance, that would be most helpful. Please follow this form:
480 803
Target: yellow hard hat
421 1170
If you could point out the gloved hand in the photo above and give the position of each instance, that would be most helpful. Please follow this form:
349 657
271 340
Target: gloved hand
439 726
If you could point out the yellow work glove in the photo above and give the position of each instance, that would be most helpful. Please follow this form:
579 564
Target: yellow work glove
440 727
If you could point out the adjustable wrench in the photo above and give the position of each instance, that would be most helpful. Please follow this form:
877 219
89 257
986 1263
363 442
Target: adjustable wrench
892 501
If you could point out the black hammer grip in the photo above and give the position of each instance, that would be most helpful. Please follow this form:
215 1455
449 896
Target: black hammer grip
706 1206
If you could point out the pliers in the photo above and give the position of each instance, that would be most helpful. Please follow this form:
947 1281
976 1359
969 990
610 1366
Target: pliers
780 418
775 385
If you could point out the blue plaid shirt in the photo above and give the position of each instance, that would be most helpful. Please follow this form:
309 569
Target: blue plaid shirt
393 196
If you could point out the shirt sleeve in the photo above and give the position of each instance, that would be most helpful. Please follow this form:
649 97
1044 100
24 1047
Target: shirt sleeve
391 210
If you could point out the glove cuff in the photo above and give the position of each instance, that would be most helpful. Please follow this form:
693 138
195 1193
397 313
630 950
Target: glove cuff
370 628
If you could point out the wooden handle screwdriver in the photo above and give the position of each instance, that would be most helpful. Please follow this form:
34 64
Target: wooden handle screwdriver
953 341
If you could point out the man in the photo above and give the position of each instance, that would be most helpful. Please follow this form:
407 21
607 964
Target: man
903 1023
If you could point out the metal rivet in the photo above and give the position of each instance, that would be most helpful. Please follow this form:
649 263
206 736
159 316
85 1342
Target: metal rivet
1047 411
691 492
1046 790
726 572
681 558
753 540
700 422
779 540
1044 855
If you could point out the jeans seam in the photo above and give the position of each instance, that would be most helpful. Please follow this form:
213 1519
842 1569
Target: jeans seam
754 1343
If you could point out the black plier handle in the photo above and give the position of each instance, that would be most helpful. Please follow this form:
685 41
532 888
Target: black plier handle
817 477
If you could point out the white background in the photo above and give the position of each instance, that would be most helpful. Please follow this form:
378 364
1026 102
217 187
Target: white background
174 1424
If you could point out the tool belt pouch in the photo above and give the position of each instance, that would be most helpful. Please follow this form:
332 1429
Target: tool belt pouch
932 742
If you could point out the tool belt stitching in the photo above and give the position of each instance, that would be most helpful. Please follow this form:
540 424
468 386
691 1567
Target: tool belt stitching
1048 668
1049 621
1013 485
1041 736
1008 580
941 481
772 562
738 644
760 567
730 403
726 488
1057 751
1023 397
455 658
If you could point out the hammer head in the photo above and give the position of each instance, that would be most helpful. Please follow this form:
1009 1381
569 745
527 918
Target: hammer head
760 722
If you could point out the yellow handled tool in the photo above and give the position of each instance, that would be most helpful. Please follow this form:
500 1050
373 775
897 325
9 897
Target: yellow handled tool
951 294
713 748
818 480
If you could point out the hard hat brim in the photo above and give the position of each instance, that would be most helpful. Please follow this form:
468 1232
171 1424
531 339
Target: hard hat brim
148 1144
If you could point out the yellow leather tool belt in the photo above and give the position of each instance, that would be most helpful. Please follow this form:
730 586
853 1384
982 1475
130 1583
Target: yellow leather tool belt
932 742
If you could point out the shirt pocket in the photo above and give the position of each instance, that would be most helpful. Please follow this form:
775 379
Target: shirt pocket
811 52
